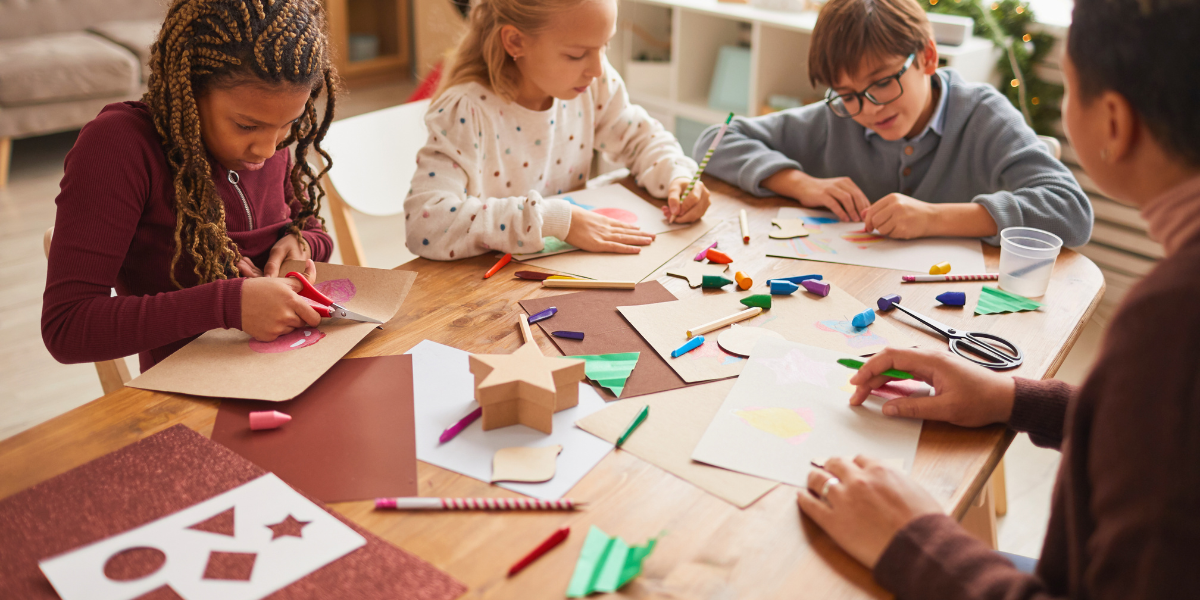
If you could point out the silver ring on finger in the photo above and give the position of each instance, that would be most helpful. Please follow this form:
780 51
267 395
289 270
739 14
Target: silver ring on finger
832 481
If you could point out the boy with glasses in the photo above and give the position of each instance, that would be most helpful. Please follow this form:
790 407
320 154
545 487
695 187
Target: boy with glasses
910 150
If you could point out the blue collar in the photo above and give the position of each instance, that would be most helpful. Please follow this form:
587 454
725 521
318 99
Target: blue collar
938 121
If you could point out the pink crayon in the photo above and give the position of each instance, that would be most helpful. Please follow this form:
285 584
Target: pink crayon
462 424
700 257
267 419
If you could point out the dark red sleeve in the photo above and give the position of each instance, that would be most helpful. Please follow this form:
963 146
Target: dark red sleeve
314 233
1040 409
106 184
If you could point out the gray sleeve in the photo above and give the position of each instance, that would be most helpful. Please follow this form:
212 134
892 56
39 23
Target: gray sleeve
754 149
1038 190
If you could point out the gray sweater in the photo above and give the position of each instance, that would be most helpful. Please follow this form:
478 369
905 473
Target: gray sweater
977 148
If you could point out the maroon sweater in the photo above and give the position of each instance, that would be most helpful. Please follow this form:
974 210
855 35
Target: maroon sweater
115 228
1125 517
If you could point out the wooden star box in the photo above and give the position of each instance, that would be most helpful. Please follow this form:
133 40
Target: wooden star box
525 387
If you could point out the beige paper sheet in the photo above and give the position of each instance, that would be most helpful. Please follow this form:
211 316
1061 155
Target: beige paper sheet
676 422
221 363
626 267
800 317
528 465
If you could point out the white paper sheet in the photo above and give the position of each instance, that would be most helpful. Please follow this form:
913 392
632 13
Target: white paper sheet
791 406
79 574
836 242
443 393
614 201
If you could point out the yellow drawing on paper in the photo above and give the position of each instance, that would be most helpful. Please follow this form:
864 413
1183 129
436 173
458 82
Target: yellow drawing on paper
792 425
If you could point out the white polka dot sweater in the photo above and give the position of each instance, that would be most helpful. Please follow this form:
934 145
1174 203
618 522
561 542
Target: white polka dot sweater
487 165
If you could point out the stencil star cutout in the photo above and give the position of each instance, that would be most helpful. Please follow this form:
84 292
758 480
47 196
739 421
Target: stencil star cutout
289 526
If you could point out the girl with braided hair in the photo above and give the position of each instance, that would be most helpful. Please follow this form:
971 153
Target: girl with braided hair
526 100
188 202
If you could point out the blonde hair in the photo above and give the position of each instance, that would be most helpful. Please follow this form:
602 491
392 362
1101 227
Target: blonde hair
481 56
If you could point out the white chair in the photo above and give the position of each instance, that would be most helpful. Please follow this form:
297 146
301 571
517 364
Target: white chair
114 374
374 158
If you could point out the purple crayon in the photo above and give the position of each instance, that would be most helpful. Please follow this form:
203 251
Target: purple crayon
819 288
952 298
570 335
542 316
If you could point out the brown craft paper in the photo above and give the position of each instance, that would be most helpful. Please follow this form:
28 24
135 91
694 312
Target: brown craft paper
530 465
626 267
800 317
351 436
222 364
606 332
666 438
161 475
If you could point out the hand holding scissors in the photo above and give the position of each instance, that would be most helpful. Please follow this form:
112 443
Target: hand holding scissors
985 349
326 307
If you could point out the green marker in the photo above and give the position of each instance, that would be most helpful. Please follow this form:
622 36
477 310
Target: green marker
641 416
857 364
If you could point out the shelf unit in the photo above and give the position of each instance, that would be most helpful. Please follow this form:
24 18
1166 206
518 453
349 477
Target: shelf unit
387 21
676 90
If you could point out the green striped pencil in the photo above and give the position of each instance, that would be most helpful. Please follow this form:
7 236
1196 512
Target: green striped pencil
704 162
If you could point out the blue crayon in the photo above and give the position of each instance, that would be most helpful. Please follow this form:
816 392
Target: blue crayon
798 279
780 287
691 344
952 298
863 318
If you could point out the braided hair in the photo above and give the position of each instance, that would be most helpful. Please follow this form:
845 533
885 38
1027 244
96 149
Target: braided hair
208 43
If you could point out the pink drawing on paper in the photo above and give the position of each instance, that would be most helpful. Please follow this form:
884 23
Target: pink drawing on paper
797 367
897 389
789 424
710 349
855 337
863 239
619 214
808 246
337 290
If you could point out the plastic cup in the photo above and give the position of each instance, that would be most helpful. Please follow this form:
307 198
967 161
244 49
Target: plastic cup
1027 258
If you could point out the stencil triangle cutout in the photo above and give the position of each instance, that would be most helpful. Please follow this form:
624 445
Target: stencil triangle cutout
220 524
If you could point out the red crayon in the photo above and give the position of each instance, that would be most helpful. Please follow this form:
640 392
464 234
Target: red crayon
557 538
499 265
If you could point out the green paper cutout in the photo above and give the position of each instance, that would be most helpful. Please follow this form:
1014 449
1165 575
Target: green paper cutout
995 300
610 370
606 563
762 301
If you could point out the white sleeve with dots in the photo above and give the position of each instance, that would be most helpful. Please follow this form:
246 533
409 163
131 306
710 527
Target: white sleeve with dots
445 216
630 136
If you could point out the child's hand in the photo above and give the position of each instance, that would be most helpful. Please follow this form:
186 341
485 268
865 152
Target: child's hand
965 394
839 194
598 233
691 208
247 269
900 217
272 306
287 248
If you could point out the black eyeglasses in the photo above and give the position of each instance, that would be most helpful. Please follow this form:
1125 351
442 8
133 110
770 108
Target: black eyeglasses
879 93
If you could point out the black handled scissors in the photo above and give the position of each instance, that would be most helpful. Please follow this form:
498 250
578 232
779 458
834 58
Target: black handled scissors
991 351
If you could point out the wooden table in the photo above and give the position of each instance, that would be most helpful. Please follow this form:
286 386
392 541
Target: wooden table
707 548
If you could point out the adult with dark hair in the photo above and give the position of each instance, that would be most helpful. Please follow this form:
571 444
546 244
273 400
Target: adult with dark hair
185 200
1125 519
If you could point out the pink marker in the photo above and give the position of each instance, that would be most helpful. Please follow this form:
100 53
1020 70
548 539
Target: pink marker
700 257
462 424
267 419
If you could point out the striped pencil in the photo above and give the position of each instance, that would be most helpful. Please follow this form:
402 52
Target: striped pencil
928 278
704 161
476 504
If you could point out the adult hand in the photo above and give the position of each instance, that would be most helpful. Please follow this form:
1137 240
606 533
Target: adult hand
901 217
287 248
839 194
688 209
598 233
272 306
964 393
866 507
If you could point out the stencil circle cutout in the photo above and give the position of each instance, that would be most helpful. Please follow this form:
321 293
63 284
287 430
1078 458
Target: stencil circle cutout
134 563
741 340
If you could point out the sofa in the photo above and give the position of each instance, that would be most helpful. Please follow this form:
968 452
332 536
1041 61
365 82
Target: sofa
61 61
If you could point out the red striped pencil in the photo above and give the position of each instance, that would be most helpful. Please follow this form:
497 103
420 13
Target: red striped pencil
928 278
555 539
476 504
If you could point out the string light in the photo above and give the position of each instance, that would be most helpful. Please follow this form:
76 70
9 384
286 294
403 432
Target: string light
1034 101
996 6
1020 9
1015 83
1026 37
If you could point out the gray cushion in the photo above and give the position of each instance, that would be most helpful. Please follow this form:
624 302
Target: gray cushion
134 36
24 18
64 66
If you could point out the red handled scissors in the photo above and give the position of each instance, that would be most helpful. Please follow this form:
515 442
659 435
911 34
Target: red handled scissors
328 308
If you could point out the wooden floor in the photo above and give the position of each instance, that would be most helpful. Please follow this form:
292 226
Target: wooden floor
36 387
